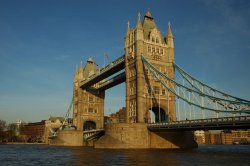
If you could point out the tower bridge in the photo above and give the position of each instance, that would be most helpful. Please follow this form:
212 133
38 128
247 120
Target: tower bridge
163 102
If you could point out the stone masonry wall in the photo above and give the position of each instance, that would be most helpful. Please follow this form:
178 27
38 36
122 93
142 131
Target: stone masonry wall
68 138
137 136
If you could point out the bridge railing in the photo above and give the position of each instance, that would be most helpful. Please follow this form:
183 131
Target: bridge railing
92 131
204 121
93 134
118 77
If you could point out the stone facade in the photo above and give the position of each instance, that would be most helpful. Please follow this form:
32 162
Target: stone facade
118 117
88 103
68 138
143 92
137 136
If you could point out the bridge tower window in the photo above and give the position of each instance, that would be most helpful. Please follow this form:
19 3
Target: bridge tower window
91 110
157 50
91 99
149 48
156 90
157 40
153 49
161 52
153 39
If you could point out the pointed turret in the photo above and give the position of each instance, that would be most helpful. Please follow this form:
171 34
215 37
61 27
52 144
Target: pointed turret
128 29
127 38
169 34
170 38
148 24
76 74
80 69
139 29
90 60
139 24
80 73
148 14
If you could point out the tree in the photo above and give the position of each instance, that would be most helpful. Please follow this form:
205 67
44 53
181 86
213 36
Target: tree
2 130
2 125
12 132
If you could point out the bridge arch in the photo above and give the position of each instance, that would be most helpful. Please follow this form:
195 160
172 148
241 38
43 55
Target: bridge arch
89 125
157 114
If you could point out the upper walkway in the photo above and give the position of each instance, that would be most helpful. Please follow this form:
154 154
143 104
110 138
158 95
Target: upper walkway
105 72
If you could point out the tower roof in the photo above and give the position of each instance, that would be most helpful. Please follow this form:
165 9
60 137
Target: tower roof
148 15
90 60
89 68
148 24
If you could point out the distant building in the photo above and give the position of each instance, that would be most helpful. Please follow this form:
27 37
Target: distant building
228 137
33 132
199 136
118 117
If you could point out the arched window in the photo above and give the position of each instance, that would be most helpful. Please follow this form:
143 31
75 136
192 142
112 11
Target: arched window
157 50
149 48
157 40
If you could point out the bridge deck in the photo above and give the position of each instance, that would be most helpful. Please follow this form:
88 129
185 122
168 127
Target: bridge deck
239 122
116 80
105 72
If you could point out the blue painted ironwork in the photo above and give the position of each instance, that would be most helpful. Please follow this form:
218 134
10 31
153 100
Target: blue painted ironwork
201 99
53 134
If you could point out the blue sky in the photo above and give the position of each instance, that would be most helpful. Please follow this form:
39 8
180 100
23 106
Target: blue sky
41 41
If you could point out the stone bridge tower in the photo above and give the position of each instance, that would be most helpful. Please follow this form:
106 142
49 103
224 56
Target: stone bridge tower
146 99
88 104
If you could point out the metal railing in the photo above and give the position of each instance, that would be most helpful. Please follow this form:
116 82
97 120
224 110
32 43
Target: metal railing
93 134
213 123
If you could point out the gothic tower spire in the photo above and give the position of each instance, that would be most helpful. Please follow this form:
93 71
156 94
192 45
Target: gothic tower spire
80 73
139 25
128 30
76 74
170 38
169 34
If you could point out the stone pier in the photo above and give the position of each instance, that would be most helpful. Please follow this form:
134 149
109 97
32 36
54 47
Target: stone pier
137 136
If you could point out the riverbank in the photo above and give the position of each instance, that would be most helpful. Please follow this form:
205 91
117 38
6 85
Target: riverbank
24 143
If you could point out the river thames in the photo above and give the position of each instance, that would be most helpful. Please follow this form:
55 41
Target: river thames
18 154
